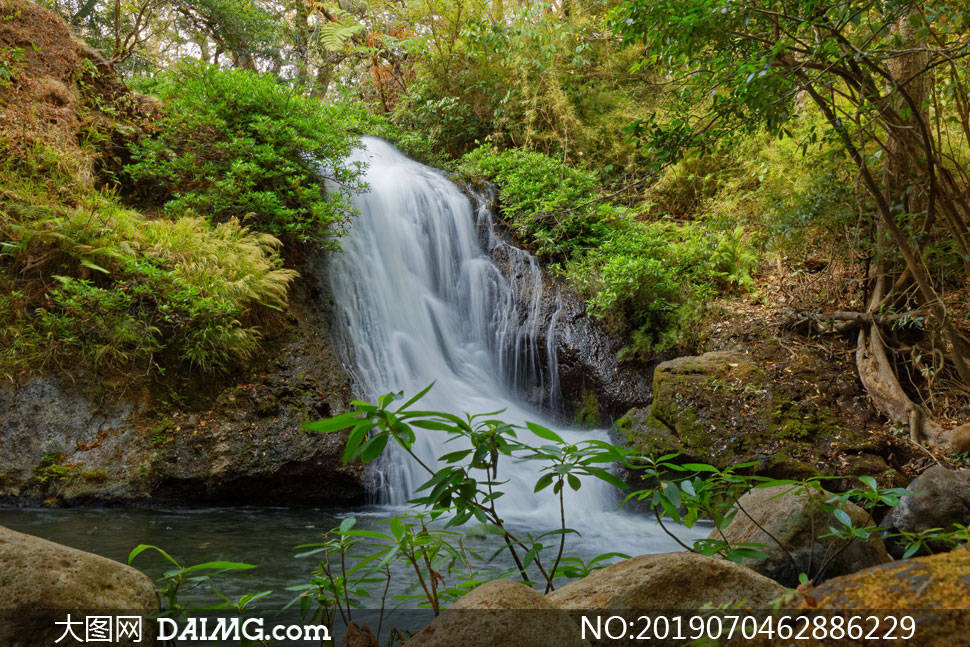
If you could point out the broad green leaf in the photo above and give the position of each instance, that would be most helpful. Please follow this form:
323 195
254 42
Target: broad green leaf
544 433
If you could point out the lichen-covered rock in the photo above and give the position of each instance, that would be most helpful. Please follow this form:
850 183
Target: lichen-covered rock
497 614
674 581
728 407
934 582
940 498
931 590
38 578
790 526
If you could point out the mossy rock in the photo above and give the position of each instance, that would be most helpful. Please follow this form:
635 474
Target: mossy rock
588 415
934 582
725 408
931 590
644 433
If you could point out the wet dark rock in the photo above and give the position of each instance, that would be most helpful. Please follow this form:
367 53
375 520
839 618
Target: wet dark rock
595 389
588 367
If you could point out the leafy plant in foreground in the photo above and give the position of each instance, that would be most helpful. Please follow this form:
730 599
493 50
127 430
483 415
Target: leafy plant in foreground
174 582
690 492
429 544
466 486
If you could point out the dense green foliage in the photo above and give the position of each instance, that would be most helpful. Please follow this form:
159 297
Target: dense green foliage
889 84
138 236
127 294
531 78
566 119
233 144
643 277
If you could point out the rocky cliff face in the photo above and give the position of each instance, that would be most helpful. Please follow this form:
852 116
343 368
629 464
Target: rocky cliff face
69 439
593 388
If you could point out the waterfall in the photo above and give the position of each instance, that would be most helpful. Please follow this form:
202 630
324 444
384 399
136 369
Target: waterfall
418 300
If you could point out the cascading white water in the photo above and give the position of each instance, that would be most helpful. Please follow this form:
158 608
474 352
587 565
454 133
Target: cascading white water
417 300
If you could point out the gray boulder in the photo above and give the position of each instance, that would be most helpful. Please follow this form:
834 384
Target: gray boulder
790 525
940 498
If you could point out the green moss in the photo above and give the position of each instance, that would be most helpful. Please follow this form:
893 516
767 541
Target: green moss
794 421
95 476
784 465
588 415
162 431
646 435
723 408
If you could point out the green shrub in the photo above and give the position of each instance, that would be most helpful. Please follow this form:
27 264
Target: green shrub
234 144
90 281
547 203
646 279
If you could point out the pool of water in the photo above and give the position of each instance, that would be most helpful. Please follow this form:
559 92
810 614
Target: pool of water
268 537
262 536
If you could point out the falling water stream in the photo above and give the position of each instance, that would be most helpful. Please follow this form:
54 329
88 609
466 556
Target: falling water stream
418 300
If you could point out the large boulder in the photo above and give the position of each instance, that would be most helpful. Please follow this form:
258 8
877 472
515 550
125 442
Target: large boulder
934 582
501 613
940 499
39 579
789 523
729 407
675 581
933 591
